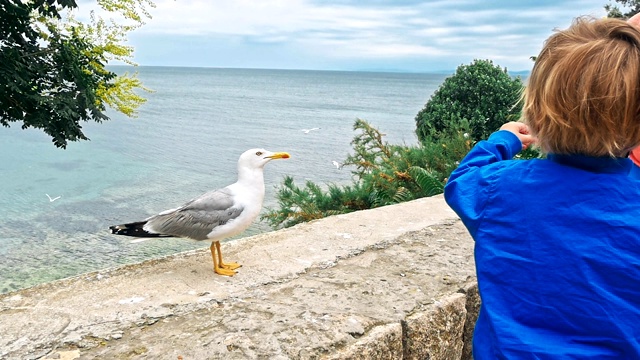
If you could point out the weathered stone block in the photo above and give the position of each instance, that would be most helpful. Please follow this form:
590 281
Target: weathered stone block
473 308
382 342
437 332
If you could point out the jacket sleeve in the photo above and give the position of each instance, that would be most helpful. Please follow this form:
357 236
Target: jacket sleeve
470 186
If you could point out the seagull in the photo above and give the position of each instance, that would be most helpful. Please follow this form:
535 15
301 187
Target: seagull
337 164
54 199
306 131
215 215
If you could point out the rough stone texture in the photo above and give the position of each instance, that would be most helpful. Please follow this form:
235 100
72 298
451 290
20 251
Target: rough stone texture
382 342
437 332
377 284
472 308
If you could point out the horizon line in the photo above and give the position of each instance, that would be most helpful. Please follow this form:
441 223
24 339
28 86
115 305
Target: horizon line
373 70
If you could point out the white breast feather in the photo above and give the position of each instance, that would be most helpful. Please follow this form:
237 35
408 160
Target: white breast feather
245 197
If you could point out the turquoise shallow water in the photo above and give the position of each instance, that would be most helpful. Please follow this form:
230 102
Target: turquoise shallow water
185 141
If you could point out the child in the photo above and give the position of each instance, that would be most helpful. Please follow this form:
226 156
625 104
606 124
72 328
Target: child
557 240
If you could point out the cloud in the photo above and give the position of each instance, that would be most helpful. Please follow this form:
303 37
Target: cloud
350 34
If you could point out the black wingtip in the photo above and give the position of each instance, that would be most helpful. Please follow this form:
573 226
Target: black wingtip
132 229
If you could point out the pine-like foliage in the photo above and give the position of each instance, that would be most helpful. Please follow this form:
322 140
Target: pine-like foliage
297 205
385 174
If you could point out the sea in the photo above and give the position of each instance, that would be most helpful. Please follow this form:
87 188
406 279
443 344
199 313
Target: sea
56 205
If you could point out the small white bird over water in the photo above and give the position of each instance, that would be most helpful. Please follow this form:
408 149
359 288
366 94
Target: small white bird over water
306 131
215 215
53 199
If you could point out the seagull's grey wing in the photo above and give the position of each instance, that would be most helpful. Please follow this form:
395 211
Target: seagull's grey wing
198 217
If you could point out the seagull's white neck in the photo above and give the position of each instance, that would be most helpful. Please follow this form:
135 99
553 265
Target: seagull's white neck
251 177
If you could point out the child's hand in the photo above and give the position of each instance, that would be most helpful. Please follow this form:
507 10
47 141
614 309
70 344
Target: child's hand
521 131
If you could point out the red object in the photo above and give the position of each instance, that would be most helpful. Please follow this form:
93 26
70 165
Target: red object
635 156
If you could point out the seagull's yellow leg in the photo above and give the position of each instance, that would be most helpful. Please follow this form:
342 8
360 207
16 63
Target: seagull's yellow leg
230 266
216 265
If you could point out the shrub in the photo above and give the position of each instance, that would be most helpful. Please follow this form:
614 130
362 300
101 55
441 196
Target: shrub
481 94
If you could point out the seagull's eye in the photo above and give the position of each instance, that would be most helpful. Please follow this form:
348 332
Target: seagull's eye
259 153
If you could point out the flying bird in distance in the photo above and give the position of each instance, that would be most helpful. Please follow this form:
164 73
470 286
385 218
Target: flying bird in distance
306 131
53 199
215 215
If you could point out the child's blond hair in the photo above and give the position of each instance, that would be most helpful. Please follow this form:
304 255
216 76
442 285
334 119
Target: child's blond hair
583 94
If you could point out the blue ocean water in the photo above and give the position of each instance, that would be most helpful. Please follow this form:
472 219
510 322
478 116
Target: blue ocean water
185 141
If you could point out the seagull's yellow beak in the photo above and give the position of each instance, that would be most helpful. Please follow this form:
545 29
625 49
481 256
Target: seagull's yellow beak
279 155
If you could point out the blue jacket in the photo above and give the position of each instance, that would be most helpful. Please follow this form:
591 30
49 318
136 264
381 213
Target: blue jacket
557 252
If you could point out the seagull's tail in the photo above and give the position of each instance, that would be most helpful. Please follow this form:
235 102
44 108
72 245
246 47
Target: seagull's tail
133 229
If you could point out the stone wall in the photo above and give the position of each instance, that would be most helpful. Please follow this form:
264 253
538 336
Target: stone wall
390 283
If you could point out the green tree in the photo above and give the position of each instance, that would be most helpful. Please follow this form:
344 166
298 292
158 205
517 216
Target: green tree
480 94
52 69
632 6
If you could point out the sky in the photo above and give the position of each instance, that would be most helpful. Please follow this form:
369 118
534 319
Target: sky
352 35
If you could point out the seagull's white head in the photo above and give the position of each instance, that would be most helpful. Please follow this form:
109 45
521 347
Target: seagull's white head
257 158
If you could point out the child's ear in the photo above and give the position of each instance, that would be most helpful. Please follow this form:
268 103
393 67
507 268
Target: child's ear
635 20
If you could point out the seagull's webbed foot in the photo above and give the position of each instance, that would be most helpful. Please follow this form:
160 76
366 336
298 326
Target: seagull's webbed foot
218 266
225 272
230 266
